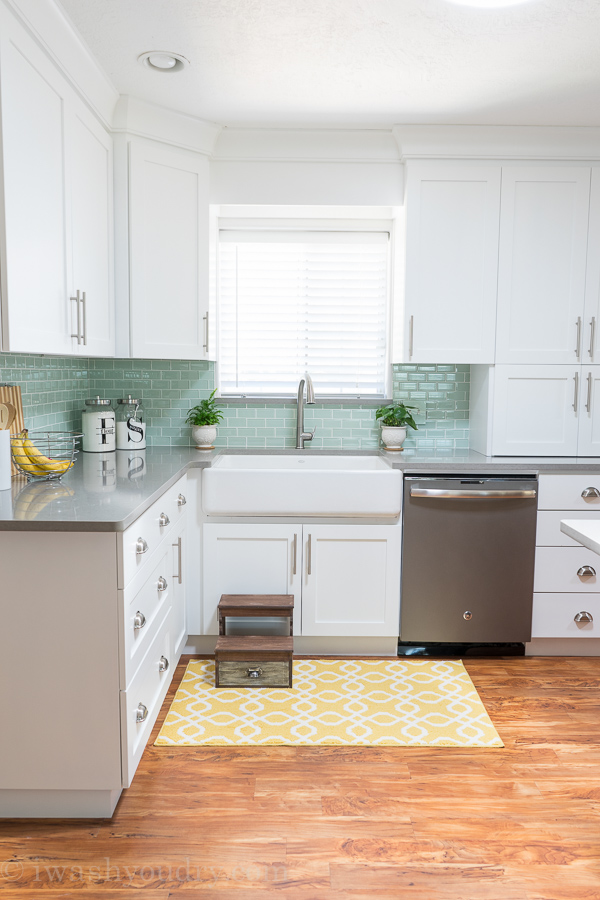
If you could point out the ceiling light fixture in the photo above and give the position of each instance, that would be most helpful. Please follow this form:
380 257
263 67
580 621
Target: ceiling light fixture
163 61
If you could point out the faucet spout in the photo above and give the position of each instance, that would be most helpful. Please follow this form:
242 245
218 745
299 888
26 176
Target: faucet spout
301 434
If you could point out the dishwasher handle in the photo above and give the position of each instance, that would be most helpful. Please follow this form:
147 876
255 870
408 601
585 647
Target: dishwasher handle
444 494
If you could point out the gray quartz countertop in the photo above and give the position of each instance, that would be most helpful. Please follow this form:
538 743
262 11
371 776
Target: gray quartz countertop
107 492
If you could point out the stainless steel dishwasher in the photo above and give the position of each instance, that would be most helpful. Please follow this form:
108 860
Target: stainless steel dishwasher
468 552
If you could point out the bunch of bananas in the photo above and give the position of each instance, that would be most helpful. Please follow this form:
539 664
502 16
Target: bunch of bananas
33 498
31 460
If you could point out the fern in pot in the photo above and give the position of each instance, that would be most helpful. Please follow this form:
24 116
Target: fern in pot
394 420
204 419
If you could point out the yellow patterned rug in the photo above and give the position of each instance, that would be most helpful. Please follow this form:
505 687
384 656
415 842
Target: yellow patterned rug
405 703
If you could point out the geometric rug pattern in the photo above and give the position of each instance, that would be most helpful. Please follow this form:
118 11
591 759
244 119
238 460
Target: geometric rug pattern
379 702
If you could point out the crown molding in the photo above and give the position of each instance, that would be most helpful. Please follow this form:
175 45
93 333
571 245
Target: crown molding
497 142
158 123
50 27
301 145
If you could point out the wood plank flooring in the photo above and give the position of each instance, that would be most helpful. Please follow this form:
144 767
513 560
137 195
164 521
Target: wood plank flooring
522 823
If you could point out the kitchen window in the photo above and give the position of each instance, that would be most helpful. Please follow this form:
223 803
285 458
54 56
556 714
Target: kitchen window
293 300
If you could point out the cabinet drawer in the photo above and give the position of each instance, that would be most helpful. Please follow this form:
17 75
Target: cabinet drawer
548 526
143 612
556 570
139 541
554 616
564 492
143 698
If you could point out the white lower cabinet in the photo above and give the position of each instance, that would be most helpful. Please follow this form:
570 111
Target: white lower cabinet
566 600
345 578
82 701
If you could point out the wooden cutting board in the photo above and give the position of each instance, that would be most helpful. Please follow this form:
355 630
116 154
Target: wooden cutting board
12 394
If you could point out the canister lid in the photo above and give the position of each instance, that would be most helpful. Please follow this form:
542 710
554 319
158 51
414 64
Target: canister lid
130 401
97 401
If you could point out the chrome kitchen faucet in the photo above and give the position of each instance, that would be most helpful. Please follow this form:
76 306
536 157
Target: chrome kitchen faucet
301 434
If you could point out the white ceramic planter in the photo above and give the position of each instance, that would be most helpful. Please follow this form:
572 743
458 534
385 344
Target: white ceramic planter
204 436
393 436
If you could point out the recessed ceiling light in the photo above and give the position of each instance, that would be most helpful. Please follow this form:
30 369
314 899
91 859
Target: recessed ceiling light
163 61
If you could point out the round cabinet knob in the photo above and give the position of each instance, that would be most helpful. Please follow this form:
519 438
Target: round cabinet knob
163 520
590 493
585 570
254 673
467 615
141 546
163 664
139 620
181 501
141 713
584 618
162 584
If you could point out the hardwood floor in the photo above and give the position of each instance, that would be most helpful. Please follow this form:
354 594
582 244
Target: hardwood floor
328 823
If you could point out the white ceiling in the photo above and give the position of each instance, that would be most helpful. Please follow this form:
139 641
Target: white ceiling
355 62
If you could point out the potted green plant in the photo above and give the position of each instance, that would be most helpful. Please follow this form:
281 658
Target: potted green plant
204 419
393 419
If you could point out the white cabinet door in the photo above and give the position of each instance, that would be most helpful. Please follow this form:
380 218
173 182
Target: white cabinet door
351 580
589 413
451 263
179 550
542 264
35 314
168 222
536 410
250 559
591 330
90 230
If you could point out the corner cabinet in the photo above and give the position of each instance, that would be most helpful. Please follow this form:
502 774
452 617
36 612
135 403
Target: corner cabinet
345 579
169 252
58 238
452 221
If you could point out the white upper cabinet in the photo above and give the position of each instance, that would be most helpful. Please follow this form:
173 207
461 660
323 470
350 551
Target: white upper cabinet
591 330
90 250
57 171
542 265
451 263
168 237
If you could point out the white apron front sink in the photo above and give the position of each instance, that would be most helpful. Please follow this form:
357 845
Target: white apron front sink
301 485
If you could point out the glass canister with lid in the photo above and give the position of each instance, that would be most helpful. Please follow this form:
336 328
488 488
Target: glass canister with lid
131 428
98 426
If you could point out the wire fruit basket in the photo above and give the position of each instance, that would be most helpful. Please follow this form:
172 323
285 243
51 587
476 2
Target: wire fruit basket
44 455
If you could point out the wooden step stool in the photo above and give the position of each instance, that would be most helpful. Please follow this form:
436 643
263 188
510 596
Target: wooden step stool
254 660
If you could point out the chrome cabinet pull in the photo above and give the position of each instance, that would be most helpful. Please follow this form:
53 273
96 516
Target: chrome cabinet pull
309 556
164 520
590 492
77 301
141 546
592 336
585 570
578 347
411 334
84 318
163 664
254 673
139 620
576 394
141 713
205 320
181 501
583 617
179 575
588 402
467 615
295 554
162 584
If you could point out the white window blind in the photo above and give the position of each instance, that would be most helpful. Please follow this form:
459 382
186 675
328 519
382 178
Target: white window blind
296 302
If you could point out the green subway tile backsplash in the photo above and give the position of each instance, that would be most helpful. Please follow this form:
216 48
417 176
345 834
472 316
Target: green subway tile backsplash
54 390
